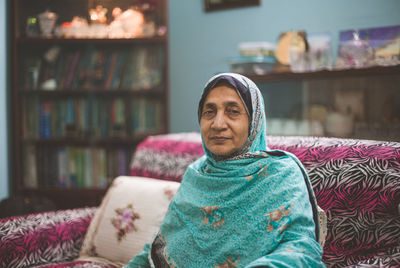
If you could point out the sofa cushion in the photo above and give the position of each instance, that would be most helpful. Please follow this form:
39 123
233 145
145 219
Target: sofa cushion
166 157
128 217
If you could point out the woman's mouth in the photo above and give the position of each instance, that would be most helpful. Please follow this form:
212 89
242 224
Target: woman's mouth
219 139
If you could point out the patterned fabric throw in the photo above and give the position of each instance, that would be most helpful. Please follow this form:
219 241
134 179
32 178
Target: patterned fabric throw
253 209
43 238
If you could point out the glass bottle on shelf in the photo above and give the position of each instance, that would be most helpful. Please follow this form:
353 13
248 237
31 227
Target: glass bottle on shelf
357 53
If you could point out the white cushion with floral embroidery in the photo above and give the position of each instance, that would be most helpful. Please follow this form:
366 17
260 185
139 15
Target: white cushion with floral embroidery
129 216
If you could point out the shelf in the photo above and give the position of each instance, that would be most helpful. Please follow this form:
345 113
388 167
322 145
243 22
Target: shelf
55 189
134 140
67 198
326 74
78 41
97 92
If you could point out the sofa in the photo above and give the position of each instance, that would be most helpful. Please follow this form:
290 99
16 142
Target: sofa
356 183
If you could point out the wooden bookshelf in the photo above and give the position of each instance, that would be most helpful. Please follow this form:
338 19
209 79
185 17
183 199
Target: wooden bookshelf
81 105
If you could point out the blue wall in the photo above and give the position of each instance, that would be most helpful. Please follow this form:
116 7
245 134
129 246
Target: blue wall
201 43
3 105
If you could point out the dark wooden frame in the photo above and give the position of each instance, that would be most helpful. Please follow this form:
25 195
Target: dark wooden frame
227 4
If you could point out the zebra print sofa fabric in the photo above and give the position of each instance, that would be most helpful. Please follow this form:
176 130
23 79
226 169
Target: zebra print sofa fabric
44 239
356 182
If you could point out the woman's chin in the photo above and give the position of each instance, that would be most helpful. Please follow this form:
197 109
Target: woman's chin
222 151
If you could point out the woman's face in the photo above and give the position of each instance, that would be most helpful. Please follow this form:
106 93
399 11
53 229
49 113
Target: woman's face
224 122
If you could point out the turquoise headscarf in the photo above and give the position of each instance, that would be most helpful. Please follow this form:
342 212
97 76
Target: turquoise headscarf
254 208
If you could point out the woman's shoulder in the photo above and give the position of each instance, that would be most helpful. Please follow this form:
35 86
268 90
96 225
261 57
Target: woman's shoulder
283 154
285 158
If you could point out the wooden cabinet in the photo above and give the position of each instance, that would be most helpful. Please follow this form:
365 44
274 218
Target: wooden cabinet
83 100
353 103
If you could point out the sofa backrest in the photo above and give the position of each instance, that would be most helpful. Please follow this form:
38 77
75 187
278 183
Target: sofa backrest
357 183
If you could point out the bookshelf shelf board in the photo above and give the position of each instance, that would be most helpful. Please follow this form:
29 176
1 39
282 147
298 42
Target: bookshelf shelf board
67 198
326 74
78 41
123 141
97 92
54 189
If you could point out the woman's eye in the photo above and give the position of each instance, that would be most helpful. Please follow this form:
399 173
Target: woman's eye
233 112
208 113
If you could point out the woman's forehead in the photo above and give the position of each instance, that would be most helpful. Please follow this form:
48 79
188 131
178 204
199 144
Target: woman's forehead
223 94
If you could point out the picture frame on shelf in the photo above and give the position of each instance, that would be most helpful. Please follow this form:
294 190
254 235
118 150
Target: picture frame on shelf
215 5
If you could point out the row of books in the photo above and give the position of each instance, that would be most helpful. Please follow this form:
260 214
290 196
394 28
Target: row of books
140 67
90 117
73 166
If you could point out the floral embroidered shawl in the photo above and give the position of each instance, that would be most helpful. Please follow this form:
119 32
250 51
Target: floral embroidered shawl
254 209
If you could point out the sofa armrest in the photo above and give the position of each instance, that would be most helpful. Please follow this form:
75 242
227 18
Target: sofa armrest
43 238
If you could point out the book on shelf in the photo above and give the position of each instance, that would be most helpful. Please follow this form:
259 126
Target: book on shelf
63 168
118 70
122 162
140 74
95 167
78 167
60 66
71 69
110 64
30 170
72 179
146 115
110 166
82 68
118 125
102 178
104 118
129 70
88 168
45 119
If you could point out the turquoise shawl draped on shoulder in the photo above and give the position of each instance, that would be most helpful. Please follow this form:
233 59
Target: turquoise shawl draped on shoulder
250 210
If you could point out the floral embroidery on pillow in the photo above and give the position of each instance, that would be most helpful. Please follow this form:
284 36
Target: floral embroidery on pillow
124 221
170 193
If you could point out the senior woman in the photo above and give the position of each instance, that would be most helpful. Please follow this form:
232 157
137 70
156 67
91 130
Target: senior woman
241 204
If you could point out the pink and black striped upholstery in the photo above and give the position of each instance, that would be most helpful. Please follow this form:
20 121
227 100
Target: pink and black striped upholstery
357 183
51 239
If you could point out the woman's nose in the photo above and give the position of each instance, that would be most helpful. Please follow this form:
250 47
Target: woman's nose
219 121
